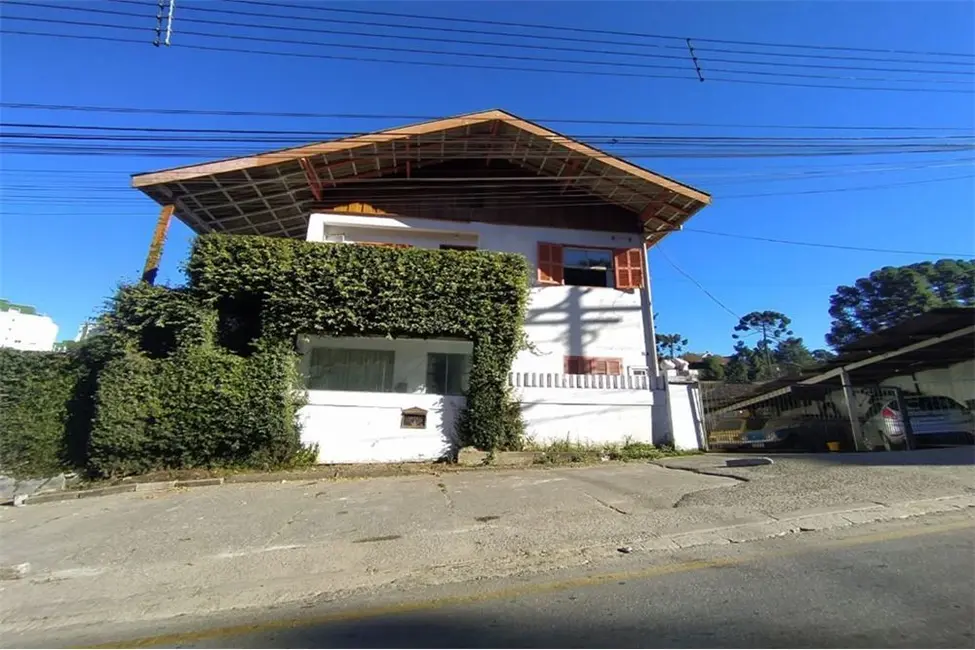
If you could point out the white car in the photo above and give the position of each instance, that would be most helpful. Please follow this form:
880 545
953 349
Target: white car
935 419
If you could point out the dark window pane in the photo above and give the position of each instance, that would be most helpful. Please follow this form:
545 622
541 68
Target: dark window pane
588 258
447 374
586 278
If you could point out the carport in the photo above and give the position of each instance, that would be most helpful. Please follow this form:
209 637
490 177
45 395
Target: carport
939 338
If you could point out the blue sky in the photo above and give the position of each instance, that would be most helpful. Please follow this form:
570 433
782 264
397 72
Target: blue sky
71 231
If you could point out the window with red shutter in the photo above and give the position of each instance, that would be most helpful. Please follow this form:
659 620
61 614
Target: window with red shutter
628 264
549 263
593 366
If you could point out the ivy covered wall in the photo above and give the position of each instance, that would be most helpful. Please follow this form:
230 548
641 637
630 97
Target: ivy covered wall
274 289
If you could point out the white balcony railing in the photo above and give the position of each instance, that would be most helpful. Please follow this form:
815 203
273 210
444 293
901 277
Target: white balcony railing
583 382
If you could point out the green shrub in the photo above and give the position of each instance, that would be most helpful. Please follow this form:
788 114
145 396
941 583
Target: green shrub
36 389
125 409
157 320
200 407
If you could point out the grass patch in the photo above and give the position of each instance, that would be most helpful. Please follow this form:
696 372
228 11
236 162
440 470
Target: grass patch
626 451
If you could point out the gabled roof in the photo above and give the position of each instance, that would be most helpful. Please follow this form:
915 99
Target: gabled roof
273 193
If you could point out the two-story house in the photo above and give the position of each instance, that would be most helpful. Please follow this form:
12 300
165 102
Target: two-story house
583 218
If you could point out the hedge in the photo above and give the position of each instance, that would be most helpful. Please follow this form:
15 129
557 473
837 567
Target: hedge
206 375
200 407
36 390
292 287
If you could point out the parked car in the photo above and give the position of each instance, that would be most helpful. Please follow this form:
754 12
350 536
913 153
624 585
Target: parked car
805 427
935 419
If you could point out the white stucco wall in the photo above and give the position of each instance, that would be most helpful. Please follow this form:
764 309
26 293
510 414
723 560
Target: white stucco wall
957 381
684 416
560 320
358 427
364 427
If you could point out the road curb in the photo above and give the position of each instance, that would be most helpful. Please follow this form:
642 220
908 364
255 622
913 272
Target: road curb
808 521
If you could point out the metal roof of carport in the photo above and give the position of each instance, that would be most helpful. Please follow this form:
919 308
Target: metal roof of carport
936 339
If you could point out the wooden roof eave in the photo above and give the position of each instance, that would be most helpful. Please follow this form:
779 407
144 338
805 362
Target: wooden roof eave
145 181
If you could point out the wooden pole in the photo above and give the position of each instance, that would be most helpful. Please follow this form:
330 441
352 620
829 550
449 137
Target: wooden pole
151 268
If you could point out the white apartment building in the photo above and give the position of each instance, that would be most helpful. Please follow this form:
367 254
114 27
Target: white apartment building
22 328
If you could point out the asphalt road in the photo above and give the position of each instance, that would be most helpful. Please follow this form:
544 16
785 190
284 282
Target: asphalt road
911 586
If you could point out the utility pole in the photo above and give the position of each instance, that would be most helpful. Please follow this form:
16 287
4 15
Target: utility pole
161 7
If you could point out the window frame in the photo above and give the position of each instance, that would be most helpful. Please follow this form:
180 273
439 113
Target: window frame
464 377
609 271
550 266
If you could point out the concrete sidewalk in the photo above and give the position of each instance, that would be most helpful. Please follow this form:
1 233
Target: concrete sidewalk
143 556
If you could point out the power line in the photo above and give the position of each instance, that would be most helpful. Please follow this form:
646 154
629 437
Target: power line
85 181
659 249
401 37
825 245
506 57
643 44
453 64
611 32
853 189
514 199
609 137
396 116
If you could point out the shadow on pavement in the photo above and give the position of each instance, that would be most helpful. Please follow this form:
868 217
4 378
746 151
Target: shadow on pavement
629 629
946 456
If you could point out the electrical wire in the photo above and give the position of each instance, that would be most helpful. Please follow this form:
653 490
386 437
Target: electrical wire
524 199
659 249
395 116
606 32
467 42
603 137
508 57
913 88
863 249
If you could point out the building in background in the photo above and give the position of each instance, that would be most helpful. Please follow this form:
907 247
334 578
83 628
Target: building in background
22 328
86 330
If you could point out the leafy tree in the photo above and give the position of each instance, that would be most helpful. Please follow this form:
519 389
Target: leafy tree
768 326
740 368
672 343
794 354
713 369
892 295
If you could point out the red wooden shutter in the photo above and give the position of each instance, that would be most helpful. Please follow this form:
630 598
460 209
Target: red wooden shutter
593 366
628 265
573 366
549 263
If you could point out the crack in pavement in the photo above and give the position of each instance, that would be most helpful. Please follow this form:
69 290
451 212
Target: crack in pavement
607 505
443 490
